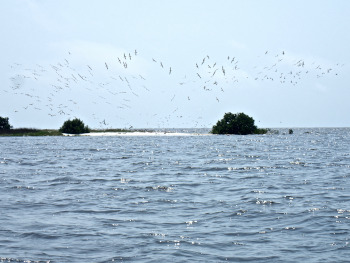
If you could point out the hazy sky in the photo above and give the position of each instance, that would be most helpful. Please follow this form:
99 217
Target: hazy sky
150 64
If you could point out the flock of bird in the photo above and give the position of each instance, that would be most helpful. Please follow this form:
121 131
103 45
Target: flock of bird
67 88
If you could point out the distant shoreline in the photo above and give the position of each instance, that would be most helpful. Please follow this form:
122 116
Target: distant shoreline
137 133
113 132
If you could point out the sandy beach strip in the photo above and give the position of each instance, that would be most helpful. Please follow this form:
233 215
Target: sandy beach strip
138 134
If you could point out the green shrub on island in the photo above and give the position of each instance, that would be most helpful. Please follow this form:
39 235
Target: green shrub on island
4 124
238 123
75 126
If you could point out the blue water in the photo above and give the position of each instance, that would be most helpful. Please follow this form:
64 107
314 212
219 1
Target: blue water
261 198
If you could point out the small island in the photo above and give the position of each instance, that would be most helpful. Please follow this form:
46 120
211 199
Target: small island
7 130
239 123
76 127
69 127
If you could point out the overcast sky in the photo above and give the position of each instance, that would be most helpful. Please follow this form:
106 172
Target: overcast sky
182 63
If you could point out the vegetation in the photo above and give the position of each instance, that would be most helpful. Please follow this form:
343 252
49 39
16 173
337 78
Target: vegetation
238 123
4 124
75 126
29 132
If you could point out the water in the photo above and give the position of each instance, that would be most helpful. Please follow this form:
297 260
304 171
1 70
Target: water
265 198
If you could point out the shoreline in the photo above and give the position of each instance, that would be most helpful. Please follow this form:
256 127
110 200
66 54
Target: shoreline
93 134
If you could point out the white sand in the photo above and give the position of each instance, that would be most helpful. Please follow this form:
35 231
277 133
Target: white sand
137 134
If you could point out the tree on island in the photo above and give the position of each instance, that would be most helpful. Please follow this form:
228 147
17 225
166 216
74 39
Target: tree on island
4 124
238 123
75 126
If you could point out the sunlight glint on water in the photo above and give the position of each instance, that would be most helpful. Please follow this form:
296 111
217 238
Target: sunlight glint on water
270 198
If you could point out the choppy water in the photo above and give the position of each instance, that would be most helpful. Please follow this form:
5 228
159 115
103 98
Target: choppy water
268 198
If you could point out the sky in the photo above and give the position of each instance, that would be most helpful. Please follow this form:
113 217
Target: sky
175 64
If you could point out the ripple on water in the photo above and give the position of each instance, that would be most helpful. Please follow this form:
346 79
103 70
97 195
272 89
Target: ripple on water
273 198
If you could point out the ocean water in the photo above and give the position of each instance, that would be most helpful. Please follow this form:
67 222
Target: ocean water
260 198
